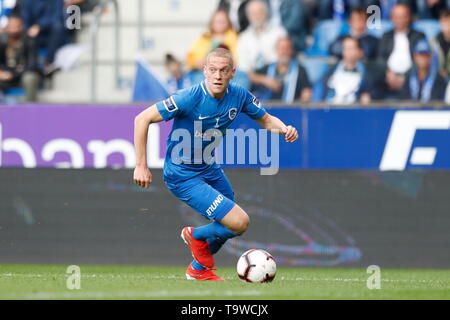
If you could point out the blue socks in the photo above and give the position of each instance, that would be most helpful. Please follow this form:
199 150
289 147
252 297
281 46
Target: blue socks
213 230
215 244
216 234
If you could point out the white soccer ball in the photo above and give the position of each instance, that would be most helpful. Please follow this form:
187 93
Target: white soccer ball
256 265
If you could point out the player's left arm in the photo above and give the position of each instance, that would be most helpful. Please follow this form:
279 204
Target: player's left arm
274 124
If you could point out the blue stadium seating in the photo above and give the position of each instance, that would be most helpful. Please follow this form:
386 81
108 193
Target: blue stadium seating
14 91
429 27
316 70
324 33
385 26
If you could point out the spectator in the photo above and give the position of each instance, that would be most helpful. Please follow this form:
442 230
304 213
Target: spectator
345 82
178 79
423 82
37 17
85 5
329 9
386 6
256 46
396 45
358 30
284 80
441 44
18 60
220 32
6 9
338 9
45 21
236 12
290 14
388 86
429 9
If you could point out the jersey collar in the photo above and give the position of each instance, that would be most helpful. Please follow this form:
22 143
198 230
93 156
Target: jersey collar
205 92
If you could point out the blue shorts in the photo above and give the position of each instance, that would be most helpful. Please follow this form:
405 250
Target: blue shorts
209 193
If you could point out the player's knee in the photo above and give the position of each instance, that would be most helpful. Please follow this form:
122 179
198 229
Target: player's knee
236 220
242 224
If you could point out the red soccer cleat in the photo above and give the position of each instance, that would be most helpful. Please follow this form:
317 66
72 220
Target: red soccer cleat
206 274
199 249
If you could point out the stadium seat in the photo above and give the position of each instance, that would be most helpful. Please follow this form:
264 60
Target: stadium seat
315 68
386 25
429 27
12 95
15 91
317 92
324 33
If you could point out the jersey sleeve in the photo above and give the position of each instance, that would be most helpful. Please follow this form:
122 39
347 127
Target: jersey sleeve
176 105
252 106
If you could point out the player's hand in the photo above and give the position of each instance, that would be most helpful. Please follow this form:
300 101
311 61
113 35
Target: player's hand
142 177
290 133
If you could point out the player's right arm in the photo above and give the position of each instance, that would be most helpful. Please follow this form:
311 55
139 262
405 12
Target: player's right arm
173 107
142 175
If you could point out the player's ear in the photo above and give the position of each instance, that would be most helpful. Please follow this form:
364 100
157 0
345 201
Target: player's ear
233 72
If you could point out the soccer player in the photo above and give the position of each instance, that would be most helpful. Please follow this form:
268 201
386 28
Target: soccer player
214 103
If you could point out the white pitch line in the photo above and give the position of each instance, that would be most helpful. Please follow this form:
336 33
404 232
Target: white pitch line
144 276
363 280
137 294
84 275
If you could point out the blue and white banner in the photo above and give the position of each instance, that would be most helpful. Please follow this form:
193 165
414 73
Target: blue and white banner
380 139
376 138
148 86
384 139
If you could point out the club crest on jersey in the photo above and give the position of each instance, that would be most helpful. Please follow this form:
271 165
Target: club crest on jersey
170 104
232 113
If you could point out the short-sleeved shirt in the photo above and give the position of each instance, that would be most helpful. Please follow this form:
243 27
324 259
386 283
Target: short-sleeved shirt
256 49
198 117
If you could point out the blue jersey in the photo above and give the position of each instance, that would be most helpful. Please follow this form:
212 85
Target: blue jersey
196 113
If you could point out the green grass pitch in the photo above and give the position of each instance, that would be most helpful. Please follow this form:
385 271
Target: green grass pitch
152 282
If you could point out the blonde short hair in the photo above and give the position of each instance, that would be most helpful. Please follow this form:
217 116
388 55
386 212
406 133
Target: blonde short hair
222 53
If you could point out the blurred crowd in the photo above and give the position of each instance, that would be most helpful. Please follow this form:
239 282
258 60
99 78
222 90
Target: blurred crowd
334 51
31 32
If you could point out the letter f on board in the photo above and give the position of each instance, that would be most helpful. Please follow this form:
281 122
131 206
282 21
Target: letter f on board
401 138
